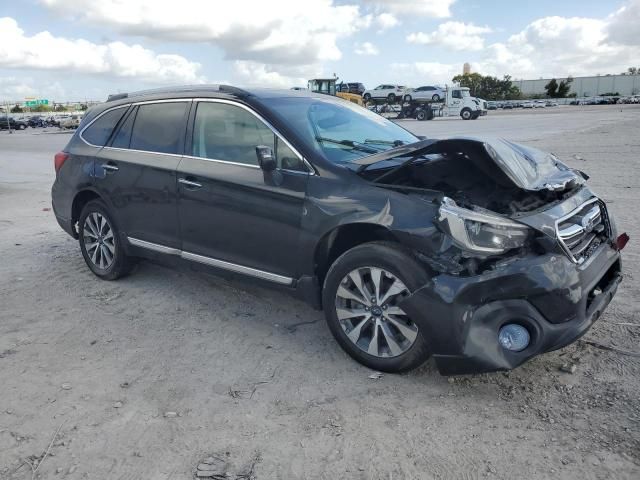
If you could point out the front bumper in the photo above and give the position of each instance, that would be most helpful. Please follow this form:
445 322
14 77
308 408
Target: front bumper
554 298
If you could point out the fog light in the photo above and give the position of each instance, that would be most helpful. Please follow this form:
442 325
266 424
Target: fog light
514 337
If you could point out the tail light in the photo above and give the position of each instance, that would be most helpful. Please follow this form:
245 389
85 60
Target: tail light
59 159
621 241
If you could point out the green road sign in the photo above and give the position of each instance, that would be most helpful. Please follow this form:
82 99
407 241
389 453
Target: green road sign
35 103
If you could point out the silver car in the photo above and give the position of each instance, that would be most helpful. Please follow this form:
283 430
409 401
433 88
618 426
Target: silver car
426 92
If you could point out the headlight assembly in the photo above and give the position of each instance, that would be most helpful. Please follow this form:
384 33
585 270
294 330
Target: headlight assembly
481 232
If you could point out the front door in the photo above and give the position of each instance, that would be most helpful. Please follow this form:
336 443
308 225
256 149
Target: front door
233 214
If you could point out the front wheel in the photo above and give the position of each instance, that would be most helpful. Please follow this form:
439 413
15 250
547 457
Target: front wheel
361 296
100 242
436 97
421 115
366 97
407 98
466 114
391 97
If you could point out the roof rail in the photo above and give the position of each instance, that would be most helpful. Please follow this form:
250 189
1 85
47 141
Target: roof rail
183 88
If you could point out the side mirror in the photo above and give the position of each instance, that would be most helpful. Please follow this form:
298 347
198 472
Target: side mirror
266 159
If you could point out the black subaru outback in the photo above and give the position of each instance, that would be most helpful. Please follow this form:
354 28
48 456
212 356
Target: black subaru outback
481 253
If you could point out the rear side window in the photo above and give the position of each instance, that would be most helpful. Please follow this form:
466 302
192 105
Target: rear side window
230 133
123 136
159 127
99 131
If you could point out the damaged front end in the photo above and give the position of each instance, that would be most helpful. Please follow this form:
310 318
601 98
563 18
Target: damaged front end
524 246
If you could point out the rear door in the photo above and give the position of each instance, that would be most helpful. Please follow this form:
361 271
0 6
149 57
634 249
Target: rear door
136 172
232 213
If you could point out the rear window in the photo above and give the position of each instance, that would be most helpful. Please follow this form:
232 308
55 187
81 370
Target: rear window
99 131
159 127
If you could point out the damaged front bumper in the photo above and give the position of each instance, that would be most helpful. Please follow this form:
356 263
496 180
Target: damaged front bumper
556 299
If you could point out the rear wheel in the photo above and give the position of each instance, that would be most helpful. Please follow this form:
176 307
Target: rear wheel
361 294
100 242
407 98
436 97
391 97
366 97
421 115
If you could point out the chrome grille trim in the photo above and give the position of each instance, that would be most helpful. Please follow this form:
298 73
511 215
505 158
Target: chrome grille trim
577 230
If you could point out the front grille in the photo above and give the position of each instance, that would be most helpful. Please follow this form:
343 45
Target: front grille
581 232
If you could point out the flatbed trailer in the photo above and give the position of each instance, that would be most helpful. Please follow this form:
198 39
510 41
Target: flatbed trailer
419 109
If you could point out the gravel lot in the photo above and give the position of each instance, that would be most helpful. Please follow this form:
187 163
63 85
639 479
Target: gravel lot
145 377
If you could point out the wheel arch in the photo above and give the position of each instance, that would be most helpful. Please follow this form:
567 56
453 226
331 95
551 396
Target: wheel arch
342 238
79 201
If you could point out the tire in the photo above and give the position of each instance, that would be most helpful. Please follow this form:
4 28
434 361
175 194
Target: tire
366 97
396 268
407 98
436 97
421 115
391 97
21 127
466 114
97 259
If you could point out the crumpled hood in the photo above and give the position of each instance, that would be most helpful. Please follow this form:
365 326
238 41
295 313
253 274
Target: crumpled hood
526 167
530 168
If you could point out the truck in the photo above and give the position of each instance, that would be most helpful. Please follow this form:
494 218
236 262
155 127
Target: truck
456 101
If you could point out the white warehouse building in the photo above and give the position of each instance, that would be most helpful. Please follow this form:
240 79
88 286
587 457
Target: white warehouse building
587 86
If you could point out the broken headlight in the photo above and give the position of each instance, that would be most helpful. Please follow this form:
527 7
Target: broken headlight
481 231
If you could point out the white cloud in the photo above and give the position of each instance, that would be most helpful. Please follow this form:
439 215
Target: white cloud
427 8
18 88
559 46
453 35
623 26
286 32
249 73
366 48
424 73
46 52
386 21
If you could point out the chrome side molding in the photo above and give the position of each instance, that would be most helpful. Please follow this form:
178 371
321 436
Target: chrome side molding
214 262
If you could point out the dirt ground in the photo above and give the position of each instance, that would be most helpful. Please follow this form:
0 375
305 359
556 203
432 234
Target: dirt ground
145 377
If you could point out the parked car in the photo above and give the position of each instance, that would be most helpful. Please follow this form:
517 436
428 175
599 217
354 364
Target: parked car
539 104
507 106
352 87
11 123
527 104
482 253
492 105
551 103
427 92
388 91
37 121
72 121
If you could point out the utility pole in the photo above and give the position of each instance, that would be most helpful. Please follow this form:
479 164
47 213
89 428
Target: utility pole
6 108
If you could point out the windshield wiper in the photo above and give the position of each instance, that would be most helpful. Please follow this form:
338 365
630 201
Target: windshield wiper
350 143
395 143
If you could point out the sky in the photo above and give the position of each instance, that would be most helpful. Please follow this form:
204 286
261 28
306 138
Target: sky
76 50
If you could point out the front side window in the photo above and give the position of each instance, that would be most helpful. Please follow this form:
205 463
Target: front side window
158 127
98 132
230 133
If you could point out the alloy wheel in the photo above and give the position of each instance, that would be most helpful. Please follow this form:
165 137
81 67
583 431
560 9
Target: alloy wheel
367 311
98 240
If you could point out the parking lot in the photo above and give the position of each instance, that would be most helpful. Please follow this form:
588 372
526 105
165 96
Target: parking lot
145 377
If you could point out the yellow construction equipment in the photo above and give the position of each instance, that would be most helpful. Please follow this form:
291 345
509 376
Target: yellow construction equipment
328 87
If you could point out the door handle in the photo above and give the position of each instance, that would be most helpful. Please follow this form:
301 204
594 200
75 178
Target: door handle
110 167
190 184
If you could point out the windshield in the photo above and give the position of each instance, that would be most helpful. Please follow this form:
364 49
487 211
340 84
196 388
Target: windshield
465 93
340 131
